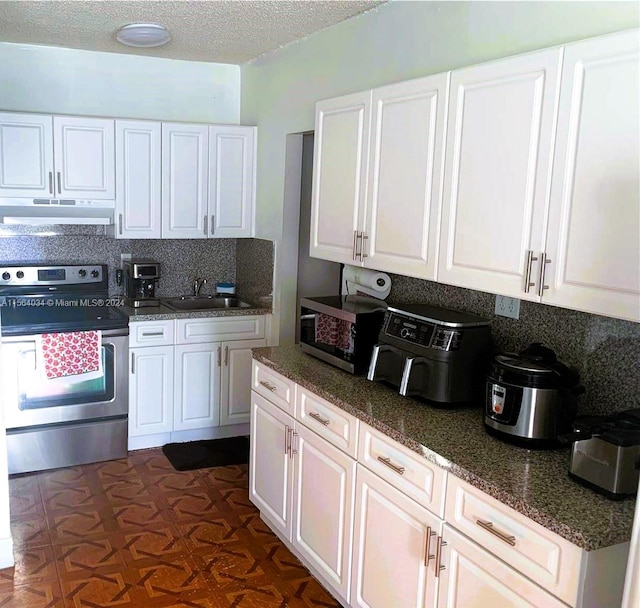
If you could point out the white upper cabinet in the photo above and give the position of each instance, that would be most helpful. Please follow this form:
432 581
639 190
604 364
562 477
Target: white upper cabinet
138 179
405 167
341 145
185 174
497 170
57 157
231 181
377 177
84 157
26 155
593 242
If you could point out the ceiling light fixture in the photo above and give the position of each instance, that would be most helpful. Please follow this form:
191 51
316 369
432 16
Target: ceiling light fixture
143 35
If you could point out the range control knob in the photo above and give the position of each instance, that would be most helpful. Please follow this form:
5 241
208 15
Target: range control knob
82 272
6 276
94 274
20 274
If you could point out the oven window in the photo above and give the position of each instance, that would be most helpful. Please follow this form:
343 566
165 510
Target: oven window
37 392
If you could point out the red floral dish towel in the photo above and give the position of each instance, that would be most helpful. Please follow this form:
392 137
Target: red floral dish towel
75 354
333 332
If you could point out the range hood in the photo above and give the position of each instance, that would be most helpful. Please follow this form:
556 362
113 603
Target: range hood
46 211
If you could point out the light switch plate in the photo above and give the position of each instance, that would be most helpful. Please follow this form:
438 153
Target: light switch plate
508 307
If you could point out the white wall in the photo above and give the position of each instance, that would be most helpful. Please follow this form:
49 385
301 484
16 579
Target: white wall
69 81
396 41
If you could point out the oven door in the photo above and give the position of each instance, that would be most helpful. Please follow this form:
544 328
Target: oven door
31 400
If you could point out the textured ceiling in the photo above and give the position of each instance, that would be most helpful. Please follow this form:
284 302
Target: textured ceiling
220 31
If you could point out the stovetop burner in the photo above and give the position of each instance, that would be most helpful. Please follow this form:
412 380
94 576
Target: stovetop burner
49 298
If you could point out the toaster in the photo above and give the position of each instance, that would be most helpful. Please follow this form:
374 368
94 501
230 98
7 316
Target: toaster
606 453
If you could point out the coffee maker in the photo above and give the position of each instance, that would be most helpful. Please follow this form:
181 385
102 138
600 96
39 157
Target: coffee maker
140 281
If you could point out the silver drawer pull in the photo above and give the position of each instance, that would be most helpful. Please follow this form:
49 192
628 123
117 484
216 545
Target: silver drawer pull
394 467
438 565
268 386
152 333
319 418
427 555
488 526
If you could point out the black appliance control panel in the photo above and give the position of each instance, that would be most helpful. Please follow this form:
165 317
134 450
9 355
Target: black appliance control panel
422 333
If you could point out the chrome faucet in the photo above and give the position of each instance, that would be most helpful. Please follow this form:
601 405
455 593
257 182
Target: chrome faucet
198 284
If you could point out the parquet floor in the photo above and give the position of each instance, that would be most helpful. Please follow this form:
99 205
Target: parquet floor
134 533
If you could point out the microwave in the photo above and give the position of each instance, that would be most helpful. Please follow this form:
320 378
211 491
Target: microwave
341 330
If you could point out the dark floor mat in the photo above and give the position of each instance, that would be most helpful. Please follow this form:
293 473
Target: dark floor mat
207 453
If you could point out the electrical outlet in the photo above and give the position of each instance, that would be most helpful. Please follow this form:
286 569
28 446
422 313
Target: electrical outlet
123 257
508 307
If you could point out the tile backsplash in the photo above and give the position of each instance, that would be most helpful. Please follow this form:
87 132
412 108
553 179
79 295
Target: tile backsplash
605 351
181 260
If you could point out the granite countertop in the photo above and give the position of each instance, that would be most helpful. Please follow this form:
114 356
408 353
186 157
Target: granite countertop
162 313
533 482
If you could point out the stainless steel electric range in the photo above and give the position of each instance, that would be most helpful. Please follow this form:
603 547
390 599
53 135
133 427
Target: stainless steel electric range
66 416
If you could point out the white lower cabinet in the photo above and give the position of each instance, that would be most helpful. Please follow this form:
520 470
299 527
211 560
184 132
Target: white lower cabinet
270 465
474 578
184 384
392 529
323 507
197 386
395 540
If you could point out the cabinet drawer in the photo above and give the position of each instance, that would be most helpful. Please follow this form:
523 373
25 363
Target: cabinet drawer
546 558
191 331
151 333
273 386
418 478
335 425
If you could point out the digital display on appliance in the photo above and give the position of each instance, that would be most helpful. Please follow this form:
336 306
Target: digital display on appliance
51 274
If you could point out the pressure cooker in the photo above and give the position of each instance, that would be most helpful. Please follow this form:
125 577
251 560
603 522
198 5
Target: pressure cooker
531 397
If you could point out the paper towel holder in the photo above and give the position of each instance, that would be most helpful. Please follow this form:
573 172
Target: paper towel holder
364 280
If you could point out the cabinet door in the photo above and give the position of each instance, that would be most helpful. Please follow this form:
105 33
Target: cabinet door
26 155
497 167
151 390
138 179
197 386
405 176
235 381
323 507
593 243
340 162
474 578
271 465
84 154
231 181
393 539
185 170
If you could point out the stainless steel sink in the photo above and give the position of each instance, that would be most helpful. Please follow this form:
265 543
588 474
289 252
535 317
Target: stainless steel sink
192 303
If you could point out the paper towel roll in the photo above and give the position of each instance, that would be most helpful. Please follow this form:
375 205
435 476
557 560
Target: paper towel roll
371 282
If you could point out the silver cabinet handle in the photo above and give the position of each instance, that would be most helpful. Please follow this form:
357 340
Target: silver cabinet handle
394 467
213 225
59 184
120 223
364 238
287 444
268 386
133 363
319 418
219 356
427 555
152 333
294 441
544 260
438 566
204 228
359 253
50 182
527 275
226 356
355 240
488 526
